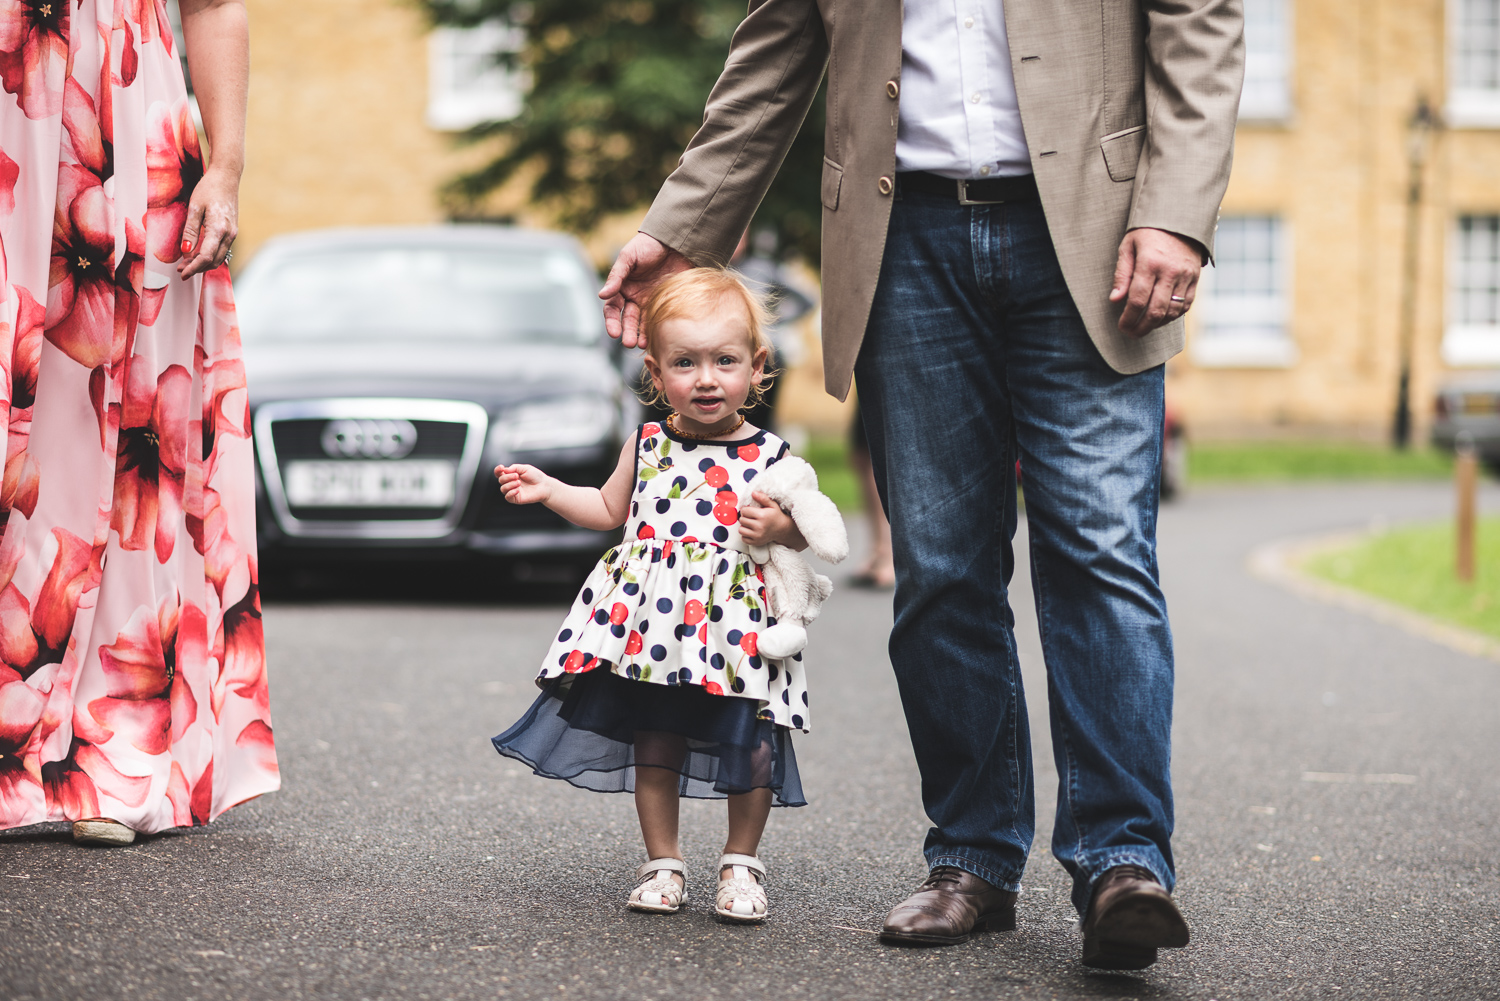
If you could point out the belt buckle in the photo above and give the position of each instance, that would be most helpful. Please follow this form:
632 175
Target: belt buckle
964 199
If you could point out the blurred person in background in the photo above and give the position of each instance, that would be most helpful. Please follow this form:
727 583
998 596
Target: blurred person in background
767 278
1017 199
132 669
878 571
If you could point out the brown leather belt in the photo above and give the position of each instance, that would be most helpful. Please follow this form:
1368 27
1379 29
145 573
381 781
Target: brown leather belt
990 191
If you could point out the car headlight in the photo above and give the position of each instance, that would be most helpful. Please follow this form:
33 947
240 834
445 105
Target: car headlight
562 422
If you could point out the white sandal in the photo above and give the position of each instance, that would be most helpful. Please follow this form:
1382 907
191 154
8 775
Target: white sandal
658 892
742 895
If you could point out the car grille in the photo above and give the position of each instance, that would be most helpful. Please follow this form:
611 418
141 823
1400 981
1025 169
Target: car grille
293 431
303 439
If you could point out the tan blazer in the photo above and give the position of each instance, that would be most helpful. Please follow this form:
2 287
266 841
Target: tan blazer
1128 106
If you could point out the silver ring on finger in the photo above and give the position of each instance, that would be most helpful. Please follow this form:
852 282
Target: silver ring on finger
1179 298
228 257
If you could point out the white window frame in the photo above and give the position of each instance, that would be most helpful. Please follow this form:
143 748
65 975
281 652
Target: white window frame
1267 96
460 98
1214 347
1468 107
1467 344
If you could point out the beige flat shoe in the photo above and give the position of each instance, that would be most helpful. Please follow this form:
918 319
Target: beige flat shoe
102 831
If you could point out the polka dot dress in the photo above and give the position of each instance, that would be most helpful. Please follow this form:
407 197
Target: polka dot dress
680 602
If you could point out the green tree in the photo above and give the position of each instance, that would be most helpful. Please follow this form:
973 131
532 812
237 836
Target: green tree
617 91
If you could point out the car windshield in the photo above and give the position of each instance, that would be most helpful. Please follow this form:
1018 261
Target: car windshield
361 292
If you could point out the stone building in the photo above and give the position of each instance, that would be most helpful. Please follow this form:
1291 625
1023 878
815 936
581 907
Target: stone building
354 108
1300 325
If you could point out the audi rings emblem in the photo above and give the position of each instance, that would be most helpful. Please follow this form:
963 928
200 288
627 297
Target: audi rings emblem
369 439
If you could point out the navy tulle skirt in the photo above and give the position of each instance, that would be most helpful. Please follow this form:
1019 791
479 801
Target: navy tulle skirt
595 729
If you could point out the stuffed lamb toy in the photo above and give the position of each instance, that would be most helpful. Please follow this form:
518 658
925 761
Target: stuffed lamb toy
796 593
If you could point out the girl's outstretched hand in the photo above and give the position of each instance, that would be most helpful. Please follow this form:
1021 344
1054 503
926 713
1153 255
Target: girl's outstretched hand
523 484
767 523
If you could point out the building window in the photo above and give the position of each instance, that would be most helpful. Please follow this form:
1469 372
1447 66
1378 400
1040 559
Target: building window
467 84
1268 43
1474 63
1473 334
1242 300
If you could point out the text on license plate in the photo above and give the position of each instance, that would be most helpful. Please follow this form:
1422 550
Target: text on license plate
408 483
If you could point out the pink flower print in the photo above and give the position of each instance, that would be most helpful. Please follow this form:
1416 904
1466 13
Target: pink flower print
91 136
244 656
69 788
75 569
135 305
256 738
21 480
26 355
190 803
31 637
9 173
128 789
174 166
210 534
34 59
139 680
18 646
20 778
184 641
151 16
151 462
81 283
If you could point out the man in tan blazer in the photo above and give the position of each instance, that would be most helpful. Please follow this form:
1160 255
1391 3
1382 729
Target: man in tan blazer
1017 198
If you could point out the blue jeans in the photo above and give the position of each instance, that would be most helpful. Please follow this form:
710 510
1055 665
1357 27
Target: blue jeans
975 356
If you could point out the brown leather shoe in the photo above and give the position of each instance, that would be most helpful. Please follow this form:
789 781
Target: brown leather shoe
1130 917
949 905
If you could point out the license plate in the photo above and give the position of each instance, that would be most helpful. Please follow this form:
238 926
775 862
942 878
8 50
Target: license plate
408 483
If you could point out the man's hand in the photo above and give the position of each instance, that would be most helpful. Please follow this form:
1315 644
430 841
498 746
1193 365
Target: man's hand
643 264
1155 266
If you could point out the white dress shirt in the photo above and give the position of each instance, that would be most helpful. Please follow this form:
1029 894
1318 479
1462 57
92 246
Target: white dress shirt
959 116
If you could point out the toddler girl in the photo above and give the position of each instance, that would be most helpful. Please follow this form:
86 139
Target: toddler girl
654 683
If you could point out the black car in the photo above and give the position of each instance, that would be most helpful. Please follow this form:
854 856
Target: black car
1467 409
391 369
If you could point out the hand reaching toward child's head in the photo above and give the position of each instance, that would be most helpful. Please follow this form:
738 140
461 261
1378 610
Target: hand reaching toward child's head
523 484
765 522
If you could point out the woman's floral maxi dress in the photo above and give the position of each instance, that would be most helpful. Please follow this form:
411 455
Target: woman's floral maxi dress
132 668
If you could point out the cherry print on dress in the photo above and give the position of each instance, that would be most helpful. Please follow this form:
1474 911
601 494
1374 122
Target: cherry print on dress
684 561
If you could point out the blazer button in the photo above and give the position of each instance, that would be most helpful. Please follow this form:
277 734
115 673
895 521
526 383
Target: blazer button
885 185
892 88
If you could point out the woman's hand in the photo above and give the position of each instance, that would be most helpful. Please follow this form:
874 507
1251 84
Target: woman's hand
217 37
764 522
212 222
523 484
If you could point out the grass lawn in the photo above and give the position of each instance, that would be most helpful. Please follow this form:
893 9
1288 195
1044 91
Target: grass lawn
1226 461
830 457
1210 462
1413 566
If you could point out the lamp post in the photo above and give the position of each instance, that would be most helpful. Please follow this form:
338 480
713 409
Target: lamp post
1419 130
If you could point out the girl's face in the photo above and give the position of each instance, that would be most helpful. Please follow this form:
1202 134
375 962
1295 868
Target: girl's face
705 365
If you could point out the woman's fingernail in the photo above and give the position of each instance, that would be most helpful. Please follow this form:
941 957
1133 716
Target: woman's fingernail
186 246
